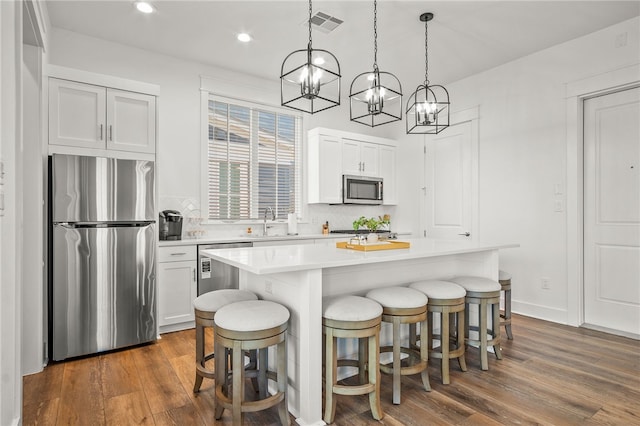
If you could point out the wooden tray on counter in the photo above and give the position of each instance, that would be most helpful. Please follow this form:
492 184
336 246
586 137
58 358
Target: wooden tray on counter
382 245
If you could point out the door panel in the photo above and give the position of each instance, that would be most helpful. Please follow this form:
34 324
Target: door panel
131 119
448 177
612 211
103 289
97 189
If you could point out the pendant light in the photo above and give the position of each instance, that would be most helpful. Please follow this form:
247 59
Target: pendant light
375 96
310 78
428 106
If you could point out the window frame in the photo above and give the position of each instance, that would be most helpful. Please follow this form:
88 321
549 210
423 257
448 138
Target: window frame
206 96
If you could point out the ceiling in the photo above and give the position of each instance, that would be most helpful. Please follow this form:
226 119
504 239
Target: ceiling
465 37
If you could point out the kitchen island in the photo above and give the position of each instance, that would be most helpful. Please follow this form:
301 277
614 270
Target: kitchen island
299 276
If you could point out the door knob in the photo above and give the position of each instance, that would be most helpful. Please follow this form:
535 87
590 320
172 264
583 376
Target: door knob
466 234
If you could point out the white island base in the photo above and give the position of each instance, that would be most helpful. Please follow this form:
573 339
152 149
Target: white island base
299 276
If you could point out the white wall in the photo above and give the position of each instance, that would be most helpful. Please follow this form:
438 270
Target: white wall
523 155
10 139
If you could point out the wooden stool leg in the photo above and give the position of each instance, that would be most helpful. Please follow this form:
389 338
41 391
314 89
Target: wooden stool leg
396 360
263 366
484 362
413 339
362 360
444 346
199 356
430 331
495 310
331 371
424 354
283 408
221 377
507 313
374 376
238 383
460 339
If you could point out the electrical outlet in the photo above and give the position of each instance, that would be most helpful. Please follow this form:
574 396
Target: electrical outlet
557 206
268 287
545 283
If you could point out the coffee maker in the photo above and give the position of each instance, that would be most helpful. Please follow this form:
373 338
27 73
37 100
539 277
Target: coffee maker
170 225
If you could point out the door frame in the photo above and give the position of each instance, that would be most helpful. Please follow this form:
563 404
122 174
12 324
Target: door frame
575 94
472 115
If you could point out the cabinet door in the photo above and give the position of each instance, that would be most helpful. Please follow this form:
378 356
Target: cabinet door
177 289
131 121
76 114
369 159
351 161
388 173
325 170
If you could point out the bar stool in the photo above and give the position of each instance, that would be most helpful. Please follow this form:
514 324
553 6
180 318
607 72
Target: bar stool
504 278
402 305
484 293
446 300
245 326
205 307
359 318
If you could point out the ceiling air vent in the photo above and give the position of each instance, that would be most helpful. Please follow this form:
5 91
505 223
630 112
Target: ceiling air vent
324 23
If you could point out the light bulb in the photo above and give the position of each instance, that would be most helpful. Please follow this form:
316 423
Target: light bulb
144 7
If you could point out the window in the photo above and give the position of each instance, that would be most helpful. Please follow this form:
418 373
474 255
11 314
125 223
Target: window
252 160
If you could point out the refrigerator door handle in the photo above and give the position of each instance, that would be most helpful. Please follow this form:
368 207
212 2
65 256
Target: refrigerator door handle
81 225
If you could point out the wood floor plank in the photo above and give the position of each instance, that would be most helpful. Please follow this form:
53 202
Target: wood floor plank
43 413
81 401
48 383
128 409
185 415
550 374
120 374
160 382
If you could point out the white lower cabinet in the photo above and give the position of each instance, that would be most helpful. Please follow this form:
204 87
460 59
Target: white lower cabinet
177 287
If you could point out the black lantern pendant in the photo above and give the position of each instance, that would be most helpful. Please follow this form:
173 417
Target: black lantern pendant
375 96
427 107
310 78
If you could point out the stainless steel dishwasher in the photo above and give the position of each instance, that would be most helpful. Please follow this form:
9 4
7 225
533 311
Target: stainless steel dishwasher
214 275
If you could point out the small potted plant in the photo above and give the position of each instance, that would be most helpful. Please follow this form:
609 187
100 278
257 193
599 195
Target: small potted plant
372 224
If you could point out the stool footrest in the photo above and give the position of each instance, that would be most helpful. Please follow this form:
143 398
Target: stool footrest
249 406
354 389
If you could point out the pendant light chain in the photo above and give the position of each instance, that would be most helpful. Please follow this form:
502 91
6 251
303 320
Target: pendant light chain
375 35
426 54
310 14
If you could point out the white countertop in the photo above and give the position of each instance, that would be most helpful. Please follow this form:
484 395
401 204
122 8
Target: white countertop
300 257
242 239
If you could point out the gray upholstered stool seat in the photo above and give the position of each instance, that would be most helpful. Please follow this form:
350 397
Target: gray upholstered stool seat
351 317
446 299
485 293
403 305
245 326
205 306
504 278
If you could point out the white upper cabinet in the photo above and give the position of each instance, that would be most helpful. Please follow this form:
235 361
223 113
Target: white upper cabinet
324 169
77 114
332 154
84 115
131 121
359 158
387 172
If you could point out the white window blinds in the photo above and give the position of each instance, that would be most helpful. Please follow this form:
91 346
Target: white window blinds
252 160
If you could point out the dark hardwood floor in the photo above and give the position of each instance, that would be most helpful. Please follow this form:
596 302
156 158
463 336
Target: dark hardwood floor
551 374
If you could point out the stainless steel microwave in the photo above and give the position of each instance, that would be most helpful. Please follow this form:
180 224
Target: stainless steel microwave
361 190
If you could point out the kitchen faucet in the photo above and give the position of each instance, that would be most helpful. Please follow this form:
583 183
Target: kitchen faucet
273 217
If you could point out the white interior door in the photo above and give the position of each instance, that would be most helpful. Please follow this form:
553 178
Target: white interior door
450 169
612 211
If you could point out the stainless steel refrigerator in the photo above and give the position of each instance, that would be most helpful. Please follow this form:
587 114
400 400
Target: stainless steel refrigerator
102 290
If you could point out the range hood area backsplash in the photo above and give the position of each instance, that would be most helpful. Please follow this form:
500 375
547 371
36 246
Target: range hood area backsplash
339 217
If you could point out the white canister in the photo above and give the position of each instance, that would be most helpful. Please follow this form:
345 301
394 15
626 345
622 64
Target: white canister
292 224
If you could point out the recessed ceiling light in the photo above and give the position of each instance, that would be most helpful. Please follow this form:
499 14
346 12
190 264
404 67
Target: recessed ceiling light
319 60
244 37
144 7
